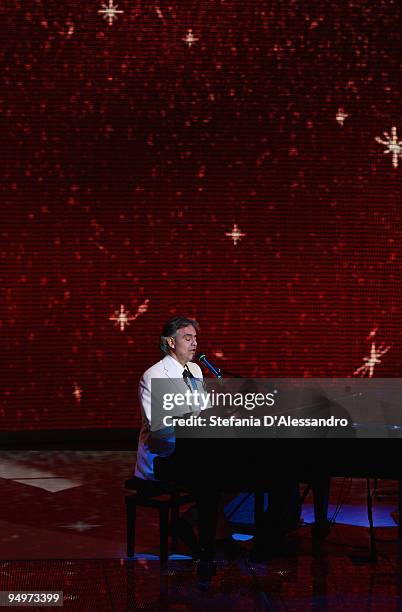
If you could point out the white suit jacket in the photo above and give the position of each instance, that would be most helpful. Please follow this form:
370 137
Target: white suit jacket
167 368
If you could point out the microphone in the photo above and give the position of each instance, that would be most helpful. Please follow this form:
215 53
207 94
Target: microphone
215 371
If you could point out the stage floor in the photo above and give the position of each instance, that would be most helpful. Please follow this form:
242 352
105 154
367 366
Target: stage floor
62 527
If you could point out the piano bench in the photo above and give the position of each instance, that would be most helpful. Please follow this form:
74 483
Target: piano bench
168 503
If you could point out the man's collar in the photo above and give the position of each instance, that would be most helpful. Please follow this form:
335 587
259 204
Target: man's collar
174 366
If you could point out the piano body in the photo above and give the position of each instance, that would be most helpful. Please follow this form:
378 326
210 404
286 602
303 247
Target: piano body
208 466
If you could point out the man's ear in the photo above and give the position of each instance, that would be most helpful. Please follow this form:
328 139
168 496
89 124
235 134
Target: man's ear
171 342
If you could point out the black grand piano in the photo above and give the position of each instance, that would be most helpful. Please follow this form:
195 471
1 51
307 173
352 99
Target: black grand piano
208 466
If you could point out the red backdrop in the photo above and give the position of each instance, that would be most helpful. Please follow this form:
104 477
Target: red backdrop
127 156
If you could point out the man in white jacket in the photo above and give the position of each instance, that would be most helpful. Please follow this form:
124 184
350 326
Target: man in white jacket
178 343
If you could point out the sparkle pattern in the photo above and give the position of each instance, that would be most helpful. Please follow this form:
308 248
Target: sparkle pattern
142 308
77 392
190 39
235 234
110 12
127 155
122 318
341 116
80 526
392 144
369 363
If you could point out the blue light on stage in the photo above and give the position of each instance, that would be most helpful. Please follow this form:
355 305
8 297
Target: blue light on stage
242 537
355 515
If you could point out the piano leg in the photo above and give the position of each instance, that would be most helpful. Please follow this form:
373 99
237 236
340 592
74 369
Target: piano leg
207 501
399 510
207 506
272 524
321 499
259 518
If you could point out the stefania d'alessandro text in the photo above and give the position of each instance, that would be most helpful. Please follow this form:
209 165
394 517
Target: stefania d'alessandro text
251 421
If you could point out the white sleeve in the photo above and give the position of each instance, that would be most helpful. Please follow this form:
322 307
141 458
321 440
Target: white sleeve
144 395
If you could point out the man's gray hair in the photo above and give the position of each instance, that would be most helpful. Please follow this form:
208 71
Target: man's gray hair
171 328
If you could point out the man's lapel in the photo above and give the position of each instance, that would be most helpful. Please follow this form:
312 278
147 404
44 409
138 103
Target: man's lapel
173 374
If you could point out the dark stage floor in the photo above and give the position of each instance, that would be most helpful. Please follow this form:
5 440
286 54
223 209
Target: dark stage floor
62 527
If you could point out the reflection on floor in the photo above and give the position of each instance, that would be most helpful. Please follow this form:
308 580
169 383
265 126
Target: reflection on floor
62 527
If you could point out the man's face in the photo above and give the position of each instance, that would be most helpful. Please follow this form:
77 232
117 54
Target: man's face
184 344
